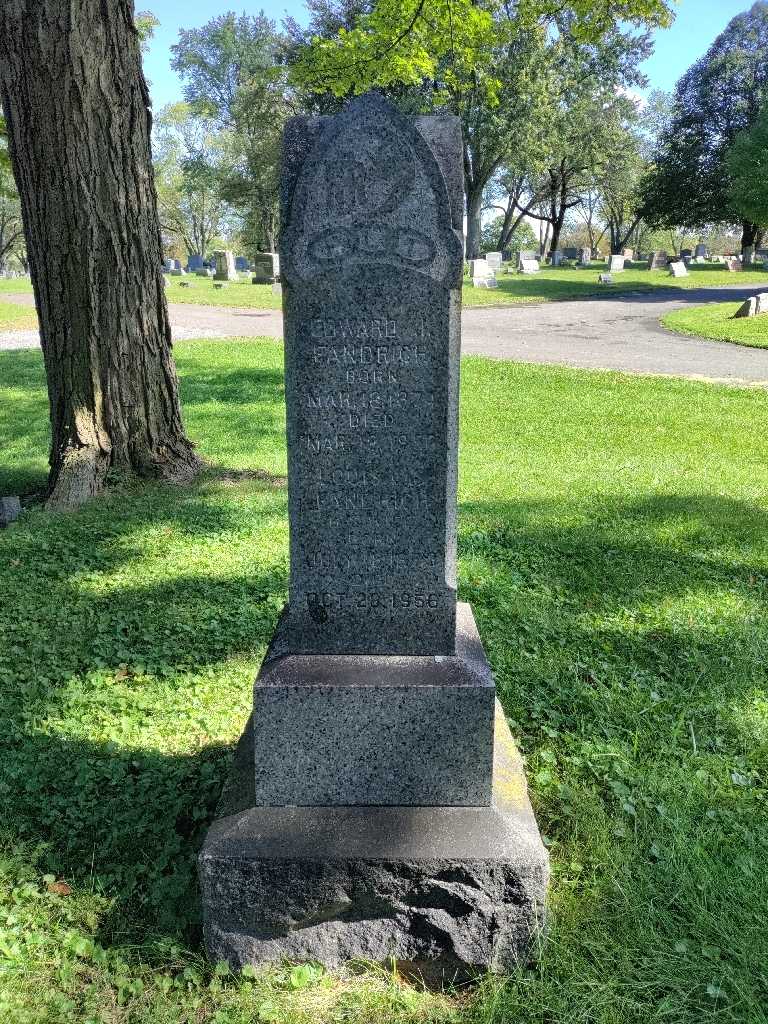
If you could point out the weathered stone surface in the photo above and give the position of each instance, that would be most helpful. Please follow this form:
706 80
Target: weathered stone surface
263 268
604 279
10 510
529 266
615 264
494 260
556 257
657 260
481 268
733 265
485 282
463 887
701 251
756 305
677 269
371 256
225 265
375 729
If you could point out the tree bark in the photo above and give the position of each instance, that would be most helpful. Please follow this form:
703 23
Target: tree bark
748 234
78 118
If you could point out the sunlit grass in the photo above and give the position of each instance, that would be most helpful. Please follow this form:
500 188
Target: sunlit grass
613 542
716 321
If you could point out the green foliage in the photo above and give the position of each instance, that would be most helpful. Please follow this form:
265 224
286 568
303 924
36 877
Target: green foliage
523 236
451 45
717 98
748 170
189 153
715 321
146 23
235 77
617 562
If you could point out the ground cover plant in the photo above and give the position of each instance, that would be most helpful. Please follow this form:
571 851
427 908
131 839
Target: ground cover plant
716 321
613 543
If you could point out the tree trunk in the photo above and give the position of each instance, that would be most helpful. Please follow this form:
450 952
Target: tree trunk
748 234
77 111
474 225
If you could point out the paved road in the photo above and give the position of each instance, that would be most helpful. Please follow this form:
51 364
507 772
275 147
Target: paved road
616 333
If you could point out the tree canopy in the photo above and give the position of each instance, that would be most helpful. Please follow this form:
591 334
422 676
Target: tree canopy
748 169
718 98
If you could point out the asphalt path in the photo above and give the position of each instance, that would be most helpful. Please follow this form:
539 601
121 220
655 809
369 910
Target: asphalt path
615 333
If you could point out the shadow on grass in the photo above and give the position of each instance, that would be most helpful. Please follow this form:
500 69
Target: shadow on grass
552 603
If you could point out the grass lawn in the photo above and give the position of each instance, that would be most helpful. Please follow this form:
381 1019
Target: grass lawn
16 318
549 285
613 541
716 321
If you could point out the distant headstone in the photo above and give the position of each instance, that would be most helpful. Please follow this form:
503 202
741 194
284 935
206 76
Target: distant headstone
494 260
604 279
701 251
178 271
628 254
733 265
748 255
686 252
585 257
10 510
615 264
571 253
556 256
241 264
204 272
225 266
263 268
480 268
757 305
194 262
169 265
658 260
678 269
528 266
369 818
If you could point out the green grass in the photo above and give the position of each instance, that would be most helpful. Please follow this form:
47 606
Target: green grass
715 321
16 318
613 543
549 285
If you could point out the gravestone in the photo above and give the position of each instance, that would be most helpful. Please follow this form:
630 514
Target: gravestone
749 255
204 272
686 253
494 260
263 270
482 274
585 257
225 266
571 253
701 251
628 254
556 256
757 305
615 264
169 265
657 260
377 807
604 279
10 510
733 265
194 262
178 271
242 266
677 268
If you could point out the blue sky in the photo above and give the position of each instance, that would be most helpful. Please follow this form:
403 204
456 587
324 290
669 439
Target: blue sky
697 24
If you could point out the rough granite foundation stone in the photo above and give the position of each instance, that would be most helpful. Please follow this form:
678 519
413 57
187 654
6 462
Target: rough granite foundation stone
375 729
462 888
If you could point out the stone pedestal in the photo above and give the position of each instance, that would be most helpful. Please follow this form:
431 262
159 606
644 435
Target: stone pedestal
457 888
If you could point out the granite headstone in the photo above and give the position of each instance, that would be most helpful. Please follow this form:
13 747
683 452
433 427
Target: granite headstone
377 807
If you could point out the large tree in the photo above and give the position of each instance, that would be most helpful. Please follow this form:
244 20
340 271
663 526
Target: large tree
718 98
188 153
748 168
77 110
235 75
488 61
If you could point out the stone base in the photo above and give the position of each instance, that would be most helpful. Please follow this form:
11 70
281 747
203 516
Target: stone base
457 889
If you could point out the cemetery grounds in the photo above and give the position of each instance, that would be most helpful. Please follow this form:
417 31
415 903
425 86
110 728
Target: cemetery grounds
613 544
548 285
716 321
